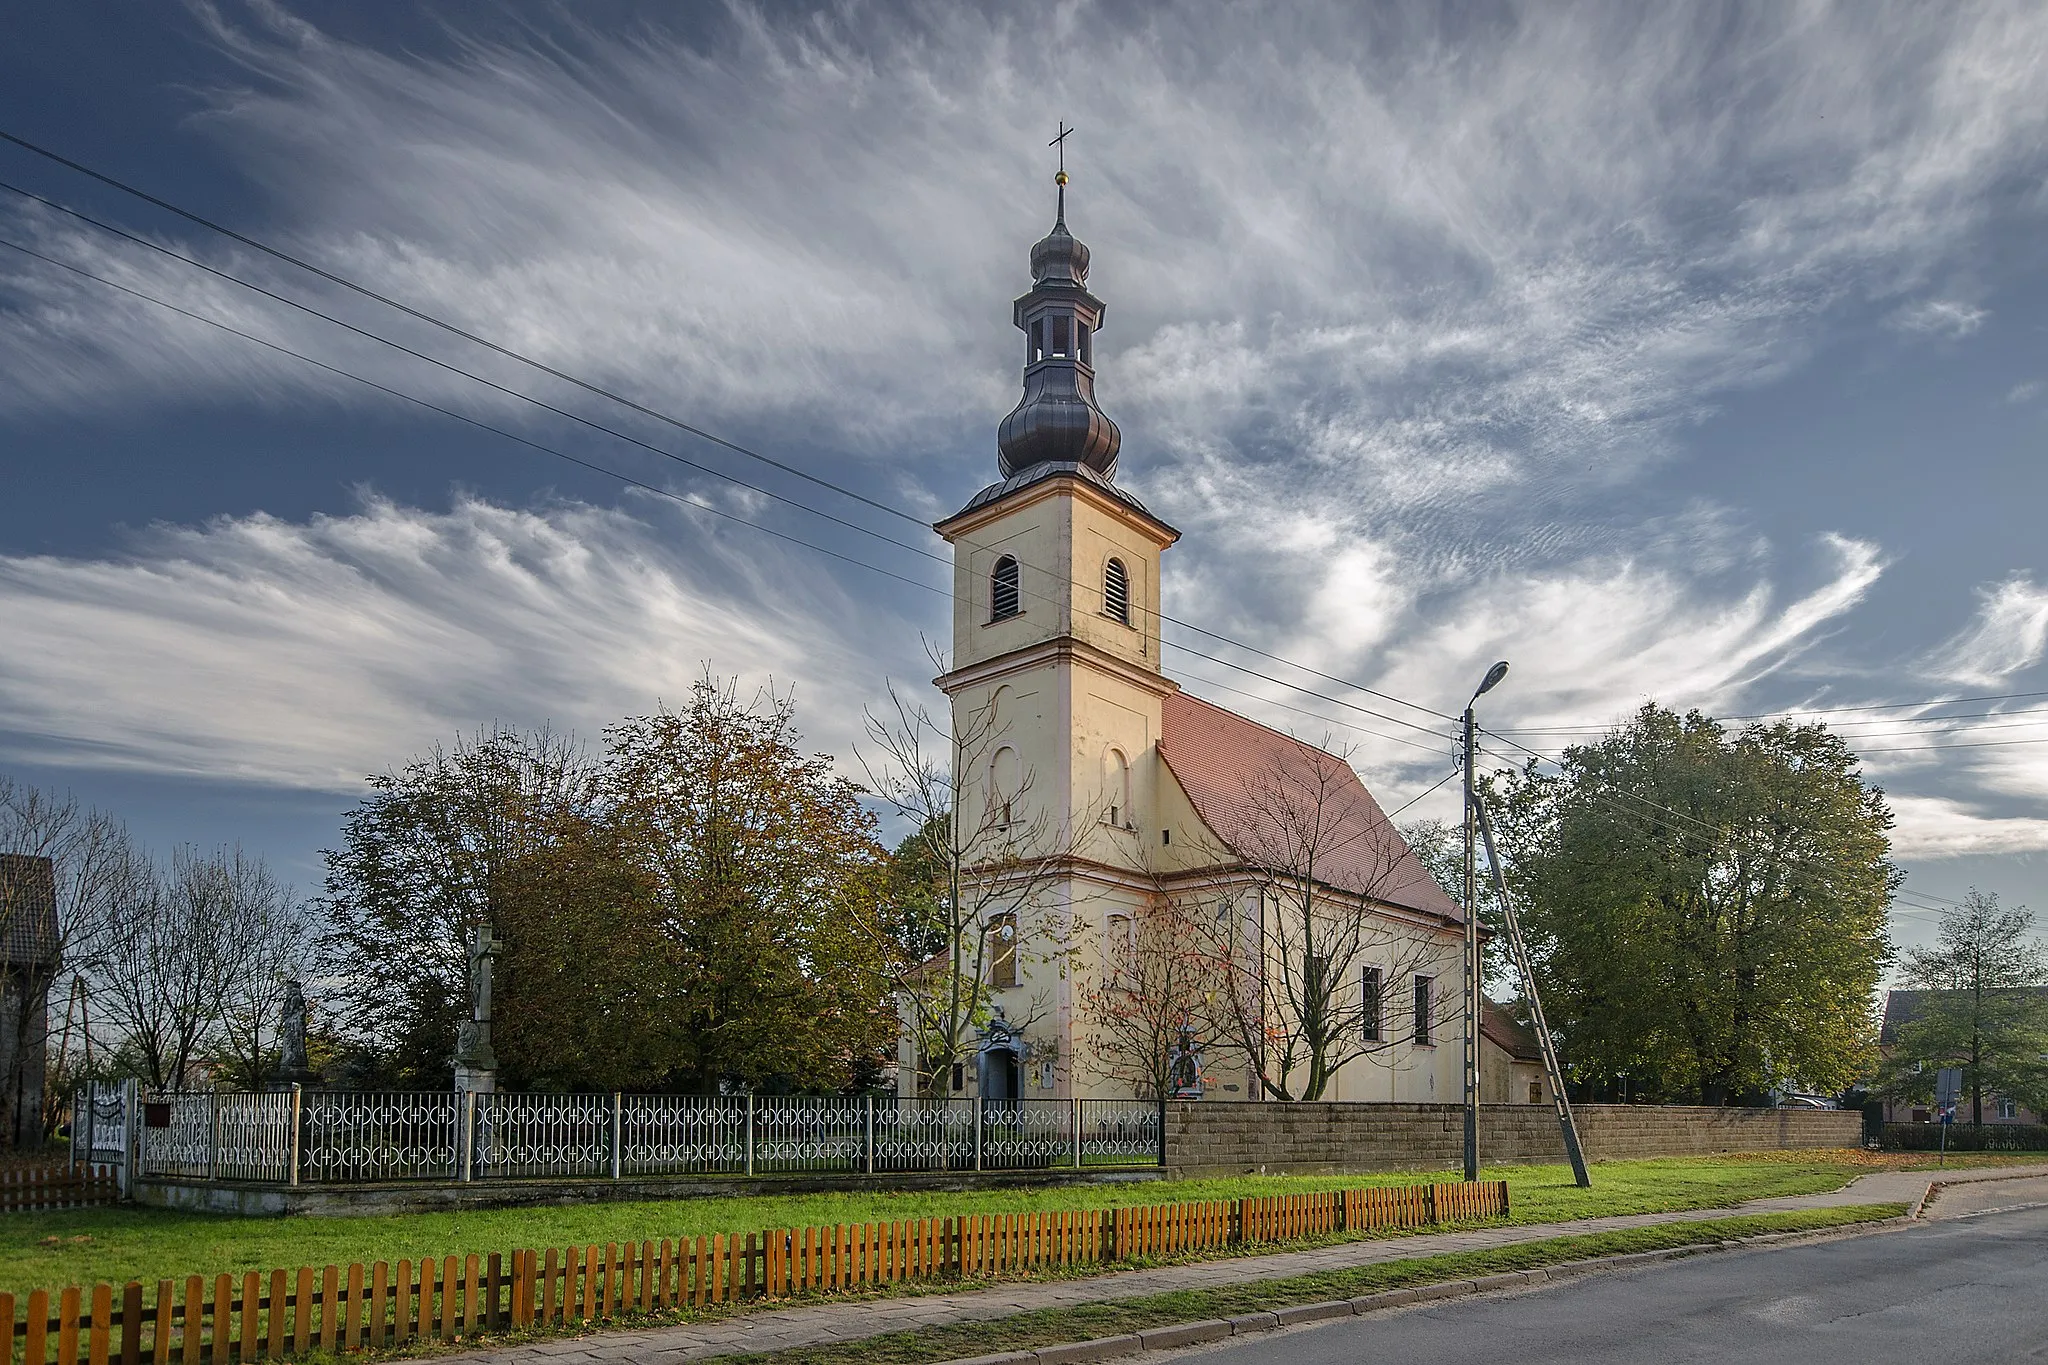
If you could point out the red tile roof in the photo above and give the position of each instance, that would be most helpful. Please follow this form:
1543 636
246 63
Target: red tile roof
1274 799
1509 1034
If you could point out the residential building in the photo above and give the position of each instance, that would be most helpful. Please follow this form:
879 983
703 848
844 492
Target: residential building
1900 1009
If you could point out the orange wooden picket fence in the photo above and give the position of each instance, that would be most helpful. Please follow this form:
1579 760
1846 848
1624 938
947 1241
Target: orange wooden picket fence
228 1319
57 1187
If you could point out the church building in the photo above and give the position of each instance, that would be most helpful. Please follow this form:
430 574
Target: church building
1095 795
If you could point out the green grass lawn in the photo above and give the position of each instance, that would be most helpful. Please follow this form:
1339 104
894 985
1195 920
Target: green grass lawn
46 1250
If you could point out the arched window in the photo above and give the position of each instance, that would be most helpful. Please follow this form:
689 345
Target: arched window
1116 786
1002 589
1116 592
1002 952
1004 779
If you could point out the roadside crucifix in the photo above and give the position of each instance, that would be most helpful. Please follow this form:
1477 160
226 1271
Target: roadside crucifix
476 1065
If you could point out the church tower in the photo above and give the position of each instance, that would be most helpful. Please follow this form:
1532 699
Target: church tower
1055 681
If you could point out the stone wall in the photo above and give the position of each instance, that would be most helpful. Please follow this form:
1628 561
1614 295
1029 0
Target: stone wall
1212 1138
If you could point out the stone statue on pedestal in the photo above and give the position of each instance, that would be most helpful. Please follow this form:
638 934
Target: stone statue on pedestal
292 1068
476 1065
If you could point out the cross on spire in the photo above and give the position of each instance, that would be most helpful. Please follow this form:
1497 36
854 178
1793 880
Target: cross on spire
1061 179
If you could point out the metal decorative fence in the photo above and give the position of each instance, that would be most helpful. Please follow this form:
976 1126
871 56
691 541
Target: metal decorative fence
345 1137
99 1119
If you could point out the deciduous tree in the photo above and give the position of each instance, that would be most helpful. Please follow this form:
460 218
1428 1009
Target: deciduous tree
425 857
1291 946
1983 1009
1151 996
1707 910
979 868
767 883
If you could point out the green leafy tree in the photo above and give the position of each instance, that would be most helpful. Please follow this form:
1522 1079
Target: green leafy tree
1707 910
767 885
424 858
1983 1009
585 976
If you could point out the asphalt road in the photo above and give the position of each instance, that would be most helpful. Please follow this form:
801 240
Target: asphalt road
1971 1288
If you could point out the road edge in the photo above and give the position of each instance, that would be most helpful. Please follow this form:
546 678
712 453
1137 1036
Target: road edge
1186 1334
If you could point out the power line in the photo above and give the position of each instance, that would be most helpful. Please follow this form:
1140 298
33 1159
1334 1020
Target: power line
737 448
1890 705
1664 815
596 389
1864 727
454 369
1313 715
611 431
1661 814
510 354
1837 727
1413 799
332 369
472 421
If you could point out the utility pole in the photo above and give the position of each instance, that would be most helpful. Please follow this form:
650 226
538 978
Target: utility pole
1474 1001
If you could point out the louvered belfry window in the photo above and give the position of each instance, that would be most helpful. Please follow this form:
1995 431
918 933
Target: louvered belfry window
1116 592
1002 596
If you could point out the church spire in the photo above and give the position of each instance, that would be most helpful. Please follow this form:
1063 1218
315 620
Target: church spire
1057 420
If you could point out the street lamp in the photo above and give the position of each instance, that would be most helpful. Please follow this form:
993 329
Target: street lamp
1472 981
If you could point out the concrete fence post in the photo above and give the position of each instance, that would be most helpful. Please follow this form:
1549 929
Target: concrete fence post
295 1145
618 1134
750 1132
977 1131
131 1133
467 1151
213 1136
868 1133
1074 1123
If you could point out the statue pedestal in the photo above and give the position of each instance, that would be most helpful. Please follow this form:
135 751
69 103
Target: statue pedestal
483 1080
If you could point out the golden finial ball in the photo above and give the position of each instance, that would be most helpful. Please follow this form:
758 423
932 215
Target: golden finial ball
1060 179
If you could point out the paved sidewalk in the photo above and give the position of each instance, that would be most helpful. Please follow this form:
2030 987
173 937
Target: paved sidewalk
816 1323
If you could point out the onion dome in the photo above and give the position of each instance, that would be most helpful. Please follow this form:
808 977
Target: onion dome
1057 420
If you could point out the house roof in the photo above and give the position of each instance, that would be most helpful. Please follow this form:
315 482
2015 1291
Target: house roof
28 911
1278 803
1509 1034
1903 1007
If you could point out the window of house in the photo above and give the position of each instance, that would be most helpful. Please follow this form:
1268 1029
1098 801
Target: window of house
1315 971
1122 943
1037 341
1002 952
1087 352
1002 589
1372 1006
1425 992
1060 341
2008 1109
1535 1092
1116 592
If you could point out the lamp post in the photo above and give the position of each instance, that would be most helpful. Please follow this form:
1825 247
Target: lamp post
1472 981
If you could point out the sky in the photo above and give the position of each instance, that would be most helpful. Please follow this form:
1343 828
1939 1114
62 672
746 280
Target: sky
1694 354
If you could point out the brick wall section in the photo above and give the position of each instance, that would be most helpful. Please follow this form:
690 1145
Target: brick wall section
1211 1138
